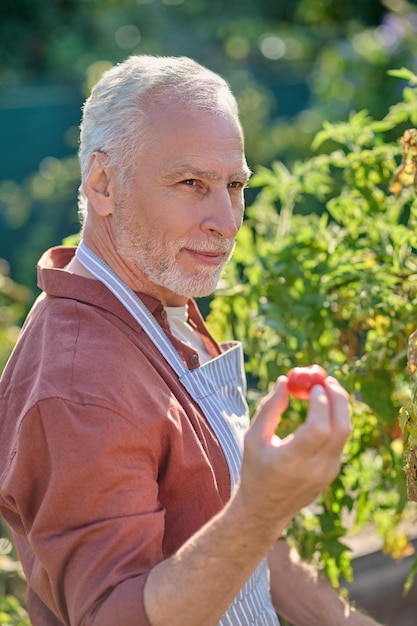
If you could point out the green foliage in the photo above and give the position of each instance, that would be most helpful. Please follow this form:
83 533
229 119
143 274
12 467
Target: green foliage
408 421
325 272
39 213
11 585
14 300
12 613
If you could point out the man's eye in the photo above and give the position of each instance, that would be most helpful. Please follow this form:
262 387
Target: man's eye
236 184
191 182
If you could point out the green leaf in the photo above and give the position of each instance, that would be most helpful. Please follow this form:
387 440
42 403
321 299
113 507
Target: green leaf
405 74
410 578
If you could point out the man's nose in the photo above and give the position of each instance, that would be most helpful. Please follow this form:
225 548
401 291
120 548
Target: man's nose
224 214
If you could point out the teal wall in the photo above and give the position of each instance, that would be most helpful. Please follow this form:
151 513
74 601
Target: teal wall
34 123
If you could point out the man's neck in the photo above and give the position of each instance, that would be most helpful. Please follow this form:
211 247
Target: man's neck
75 267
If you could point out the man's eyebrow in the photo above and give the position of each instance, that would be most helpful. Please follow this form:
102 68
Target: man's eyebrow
189 171
243 174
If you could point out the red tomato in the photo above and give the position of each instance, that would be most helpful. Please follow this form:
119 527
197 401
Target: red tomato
302 379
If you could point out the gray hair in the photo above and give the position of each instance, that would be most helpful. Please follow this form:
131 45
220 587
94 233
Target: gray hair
114 115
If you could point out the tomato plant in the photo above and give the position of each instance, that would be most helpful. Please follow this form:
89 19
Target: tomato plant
301 380
324 272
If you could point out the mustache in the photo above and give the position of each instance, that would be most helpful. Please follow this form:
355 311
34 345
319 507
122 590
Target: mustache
213 245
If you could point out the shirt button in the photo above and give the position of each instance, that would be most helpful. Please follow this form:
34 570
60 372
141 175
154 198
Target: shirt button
194 359
164 314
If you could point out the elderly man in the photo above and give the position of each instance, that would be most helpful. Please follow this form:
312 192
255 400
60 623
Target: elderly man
137 492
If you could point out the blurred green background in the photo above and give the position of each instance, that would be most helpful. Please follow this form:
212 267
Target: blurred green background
291 65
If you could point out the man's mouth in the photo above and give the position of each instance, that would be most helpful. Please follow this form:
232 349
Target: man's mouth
210 257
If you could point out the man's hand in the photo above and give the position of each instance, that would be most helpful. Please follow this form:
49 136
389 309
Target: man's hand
280 476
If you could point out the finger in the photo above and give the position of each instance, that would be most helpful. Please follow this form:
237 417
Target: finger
317 428
340 410
270 410
327 425
319 406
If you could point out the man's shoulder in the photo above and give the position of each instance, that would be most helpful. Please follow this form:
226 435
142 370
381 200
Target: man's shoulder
86 353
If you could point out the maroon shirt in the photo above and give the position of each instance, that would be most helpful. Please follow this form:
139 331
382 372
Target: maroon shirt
107 466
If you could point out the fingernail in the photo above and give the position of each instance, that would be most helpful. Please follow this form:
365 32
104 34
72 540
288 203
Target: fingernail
317 390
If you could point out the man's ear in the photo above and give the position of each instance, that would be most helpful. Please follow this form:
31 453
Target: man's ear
98 185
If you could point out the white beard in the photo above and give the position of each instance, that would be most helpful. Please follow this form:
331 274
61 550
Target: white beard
160 264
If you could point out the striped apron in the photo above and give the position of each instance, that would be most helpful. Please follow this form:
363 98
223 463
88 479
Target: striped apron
218 387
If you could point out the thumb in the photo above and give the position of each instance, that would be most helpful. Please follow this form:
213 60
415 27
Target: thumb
268 415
